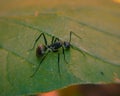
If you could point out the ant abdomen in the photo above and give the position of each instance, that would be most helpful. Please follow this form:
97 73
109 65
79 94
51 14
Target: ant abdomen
40 50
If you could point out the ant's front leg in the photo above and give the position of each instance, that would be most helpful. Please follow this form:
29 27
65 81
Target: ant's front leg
45 40
64 55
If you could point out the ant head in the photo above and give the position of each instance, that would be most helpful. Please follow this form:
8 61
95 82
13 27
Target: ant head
40 50
67 45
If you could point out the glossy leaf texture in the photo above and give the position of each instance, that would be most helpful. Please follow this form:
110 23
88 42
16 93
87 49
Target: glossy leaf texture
92 59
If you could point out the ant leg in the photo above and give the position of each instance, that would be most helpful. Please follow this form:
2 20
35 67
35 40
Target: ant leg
39 64
45 40
52 41
59 64
73 34
64 55
56 39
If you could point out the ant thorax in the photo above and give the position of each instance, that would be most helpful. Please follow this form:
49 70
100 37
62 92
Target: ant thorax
55 46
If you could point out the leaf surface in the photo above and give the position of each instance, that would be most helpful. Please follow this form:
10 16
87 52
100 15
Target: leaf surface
92 59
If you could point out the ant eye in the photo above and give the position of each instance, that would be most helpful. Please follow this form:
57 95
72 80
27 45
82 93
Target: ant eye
67 45
40 50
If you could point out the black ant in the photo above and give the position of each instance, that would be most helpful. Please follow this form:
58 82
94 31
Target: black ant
43 50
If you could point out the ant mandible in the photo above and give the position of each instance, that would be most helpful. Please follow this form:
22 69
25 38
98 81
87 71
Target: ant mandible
43 49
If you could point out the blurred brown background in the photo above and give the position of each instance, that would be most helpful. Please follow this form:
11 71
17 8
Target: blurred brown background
87 90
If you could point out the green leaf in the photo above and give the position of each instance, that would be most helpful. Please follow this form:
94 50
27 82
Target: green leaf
93 59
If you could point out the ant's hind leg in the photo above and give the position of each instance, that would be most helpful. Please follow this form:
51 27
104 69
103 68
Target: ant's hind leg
45 40
43 58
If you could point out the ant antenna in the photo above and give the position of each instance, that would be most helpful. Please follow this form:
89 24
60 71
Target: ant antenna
78 37
73 34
